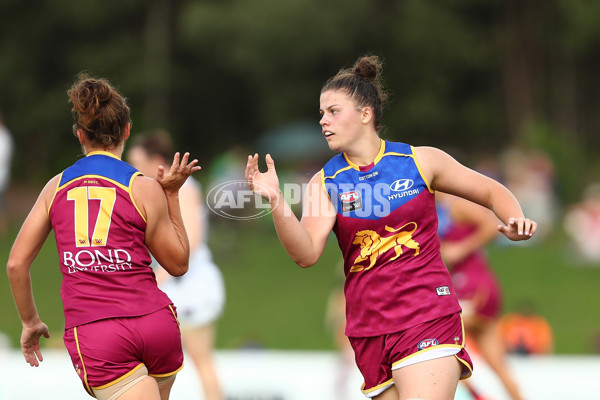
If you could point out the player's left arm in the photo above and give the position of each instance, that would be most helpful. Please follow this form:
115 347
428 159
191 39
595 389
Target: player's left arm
190 204
447 175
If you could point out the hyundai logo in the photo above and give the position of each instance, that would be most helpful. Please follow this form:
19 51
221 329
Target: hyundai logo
401 185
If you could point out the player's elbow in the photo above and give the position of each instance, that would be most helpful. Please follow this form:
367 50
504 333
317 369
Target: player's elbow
305 261
11 267
14 266
179 270
305 265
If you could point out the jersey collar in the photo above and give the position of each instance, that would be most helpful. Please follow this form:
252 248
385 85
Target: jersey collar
377 157
101 152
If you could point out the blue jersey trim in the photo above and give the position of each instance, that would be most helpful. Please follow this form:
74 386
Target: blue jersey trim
394 179
101 165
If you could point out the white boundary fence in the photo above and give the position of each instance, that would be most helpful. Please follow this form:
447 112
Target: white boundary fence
300 375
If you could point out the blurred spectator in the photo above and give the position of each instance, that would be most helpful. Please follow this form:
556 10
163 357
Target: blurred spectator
530 175
6 150
525 332
227 166
226 174
488 165
582 224
199 295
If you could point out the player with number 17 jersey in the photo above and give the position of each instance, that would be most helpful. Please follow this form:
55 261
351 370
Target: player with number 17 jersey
100 240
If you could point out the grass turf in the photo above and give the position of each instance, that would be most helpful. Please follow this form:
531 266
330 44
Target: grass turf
273 303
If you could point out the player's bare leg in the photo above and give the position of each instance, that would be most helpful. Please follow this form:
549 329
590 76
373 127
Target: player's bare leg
199 343
146 389
432 380
389 394
493 352
164 388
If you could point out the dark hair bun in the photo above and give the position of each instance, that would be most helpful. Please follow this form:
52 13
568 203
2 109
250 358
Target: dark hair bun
363 83
99 110
90 96
368 67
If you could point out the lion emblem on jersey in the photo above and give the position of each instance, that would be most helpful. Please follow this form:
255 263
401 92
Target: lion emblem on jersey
372 245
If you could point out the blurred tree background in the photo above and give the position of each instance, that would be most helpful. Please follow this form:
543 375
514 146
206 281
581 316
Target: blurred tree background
480 75
475 76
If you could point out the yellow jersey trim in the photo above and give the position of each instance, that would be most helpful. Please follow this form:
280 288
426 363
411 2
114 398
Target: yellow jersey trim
140 365
378 157
167 374
102 152
85 380
374 388
55 192
126 188
131 195
336 173
420 170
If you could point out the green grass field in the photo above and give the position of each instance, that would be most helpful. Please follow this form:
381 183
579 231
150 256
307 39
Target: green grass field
273 303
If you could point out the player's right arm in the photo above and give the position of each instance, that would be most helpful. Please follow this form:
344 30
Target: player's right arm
27 245
304 240
166 237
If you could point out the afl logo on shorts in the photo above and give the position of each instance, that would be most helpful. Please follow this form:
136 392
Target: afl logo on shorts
401 185
424 344
351 201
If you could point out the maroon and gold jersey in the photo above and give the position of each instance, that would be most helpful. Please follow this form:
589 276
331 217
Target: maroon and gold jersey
387 231
100 237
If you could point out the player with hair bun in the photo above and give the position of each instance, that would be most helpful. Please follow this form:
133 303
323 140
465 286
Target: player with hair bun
121 331
402 315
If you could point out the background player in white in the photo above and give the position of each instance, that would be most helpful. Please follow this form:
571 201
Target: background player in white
199 295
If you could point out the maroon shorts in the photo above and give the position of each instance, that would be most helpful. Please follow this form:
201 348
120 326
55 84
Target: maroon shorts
478 295
105 351
377 356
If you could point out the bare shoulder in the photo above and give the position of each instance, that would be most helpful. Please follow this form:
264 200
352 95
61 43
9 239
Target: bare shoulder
429 154
142 182
431 160
146 189
316 178
47 193
315 184
52 184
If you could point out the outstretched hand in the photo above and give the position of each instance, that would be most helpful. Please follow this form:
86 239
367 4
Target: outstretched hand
30 342
518 229
265 184
173 179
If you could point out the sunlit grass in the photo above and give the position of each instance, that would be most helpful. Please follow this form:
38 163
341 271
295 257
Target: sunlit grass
273 303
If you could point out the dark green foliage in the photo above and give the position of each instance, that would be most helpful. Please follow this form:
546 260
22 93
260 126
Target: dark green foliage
465 73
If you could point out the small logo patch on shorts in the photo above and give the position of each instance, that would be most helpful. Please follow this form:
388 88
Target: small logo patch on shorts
443 291
423 344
